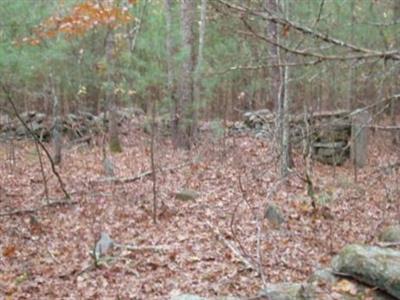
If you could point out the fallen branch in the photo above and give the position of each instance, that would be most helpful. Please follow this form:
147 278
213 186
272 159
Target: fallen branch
123 180
142 248
388 244
19 212
35 209
377 127
364 53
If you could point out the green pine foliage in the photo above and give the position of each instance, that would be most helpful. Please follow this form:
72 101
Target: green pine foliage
78 64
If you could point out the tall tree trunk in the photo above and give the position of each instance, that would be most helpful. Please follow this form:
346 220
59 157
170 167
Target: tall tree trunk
393 106
286 158
171 72
351 68
114 142
185 108
57 141
199 66
273 53
280 92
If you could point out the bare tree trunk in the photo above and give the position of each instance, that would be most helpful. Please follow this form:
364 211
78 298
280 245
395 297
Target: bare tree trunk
57 141
152 159
286 161
393 106
170 72
185 116
133 30
199 65
114 142
351 68
273 53
279 92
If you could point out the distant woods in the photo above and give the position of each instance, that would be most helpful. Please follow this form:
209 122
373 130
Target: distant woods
199 59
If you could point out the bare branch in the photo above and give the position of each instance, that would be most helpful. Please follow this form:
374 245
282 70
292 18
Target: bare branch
366 52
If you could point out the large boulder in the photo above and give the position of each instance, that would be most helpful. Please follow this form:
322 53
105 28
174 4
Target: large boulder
377 267
330 286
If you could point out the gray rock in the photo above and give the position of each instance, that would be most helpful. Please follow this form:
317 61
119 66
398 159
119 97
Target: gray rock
378 267
40 117
20 131
36 127
274 215
333 153
390 234
256 119
103 246
187 195
325 278
288 291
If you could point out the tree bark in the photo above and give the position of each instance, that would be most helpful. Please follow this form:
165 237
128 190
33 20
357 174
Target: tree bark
114 142
185 107
351 67
286 159
273 53
393 106
171 93
199 65
57 141
280 92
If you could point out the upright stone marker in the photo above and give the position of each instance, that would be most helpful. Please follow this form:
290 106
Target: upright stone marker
359 137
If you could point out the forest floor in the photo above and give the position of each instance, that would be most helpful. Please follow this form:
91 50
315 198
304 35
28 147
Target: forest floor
45 253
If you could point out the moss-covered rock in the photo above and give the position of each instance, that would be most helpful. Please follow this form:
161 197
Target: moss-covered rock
187 195
378 267
390 234
343 288
274 215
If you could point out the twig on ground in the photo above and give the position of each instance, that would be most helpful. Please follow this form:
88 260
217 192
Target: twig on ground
35 209
142 248
122 180
232 247
53 256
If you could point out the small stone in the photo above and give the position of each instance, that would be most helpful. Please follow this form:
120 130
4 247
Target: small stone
187 195
323 276
274 215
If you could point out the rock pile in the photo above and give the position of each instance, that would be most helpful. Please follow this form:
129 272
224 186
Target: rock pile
36 121
74 126
329 137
